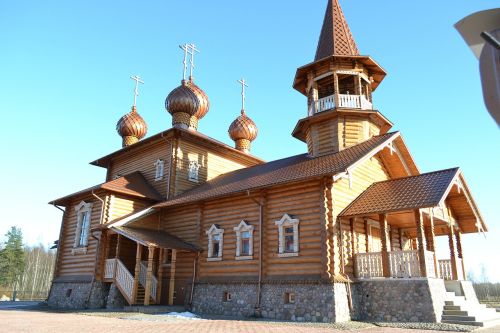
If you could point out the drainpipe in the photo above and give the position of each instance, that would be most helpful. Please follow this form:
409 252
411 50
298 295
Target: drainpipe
260 203
195 261
342 271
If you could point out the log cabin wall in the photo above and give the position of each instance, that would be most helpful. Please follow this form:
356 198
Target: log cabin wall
212 162
71 262
117 206
143 160
362 177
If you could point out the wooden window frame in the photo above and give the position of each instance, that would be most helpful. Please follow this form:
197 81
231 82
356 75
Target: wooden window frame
193 171
240 229
80 247
213 231
284 222
159 169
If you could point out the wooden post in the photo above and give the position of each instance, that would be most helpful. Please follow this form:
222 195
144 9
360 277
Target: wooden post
354 242
367 238
171 284
149 276
401 244
458 238
336 87
421 242
432 244
453 252
384 231
117 253
138 255
160 275
102 255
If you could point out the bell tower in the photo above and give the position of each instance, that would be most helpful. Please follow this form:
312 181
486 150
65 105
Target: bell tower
338 86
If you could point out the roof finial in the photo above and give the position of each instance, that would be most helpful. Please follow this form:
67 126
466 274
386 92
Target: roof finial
137 80
189 49
243 85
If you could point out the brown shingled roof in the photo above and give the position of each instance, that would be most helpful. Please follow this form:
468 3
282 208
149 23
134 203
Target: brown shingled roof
291 169
422 191
156 238
133 184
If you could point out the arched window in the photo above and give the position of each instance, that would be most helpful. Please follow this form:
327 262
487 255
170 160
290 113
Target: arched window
215 243
244 241
288 236
159 164
194 167
83 218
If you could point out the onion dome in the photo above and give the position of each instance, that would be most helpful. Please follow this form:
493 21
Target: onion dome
131 127
243 131
187 104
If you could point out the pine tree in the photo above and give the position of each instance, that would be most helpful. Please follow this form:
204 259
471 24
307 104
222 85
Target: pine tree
12 258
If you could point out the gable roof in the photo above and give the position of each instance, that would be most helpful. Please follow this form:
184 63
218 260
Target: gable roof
290 169
133 184
336 37
407 193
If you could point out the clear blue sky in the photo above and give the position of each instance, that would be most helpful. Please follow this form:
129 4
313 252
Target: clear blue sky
65 82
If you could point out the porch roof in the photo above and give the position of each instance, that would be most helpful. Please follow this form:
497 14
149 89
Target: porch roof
155 238
427 190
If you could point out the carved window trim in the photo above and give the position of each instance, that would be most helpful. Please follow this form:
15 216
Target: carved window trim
284 222
83 221
160 168
241 228
193 171
211 233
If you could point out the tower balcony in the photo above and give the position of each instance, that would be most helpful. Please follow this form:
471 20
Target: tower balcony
343 101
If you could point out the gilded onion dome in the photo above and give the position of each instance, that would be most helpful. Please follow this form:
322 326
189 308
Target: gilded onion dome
243 131
131 127
187 104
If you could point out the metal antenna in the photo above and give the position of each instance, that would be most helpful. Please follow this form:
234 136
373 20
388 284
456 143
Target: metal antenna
185 48
192 51
137 80
243 85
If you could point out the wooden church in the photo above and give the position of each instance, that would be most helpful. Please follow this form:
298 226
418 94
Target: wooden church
346 230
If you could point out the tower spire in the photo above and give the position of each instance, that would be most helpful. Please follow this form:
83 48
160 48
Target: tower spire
335 37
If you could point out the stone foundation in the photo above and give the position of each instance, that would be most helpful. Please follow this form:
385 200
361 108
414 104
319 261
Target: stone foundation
78 295
399 300
312 302
115 299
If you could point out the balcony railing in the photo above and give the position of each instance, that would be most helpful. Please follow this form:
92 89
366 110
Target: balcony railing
402 264
345 101
445 270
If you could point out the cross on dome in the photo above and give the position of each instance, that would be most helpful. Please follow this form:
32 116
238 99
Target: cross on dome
243 85
189 49
137 80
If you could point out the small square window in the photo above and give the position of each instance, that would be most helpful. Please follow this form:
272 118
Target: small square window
68 292
289 298
227 296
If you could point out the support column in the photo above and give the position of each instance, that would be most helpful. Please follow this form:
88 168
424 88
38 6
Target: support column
453 252
336 87
367 237
149 275
138 255
171 284
354 243
117 253
384 237
160 274
458 238
103 245
421 242
432 244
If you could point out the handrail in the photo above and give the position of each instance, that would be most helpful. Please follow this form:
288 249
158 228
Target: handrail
143 273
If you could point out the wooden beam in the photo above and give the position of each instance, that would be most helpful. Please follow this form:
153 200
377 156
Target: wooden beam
458 239
161 257
171 285
421 242
149 275
138 255
384 235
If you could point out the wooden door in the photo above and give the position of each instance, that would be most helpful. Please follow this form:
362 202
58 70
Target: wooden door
375 242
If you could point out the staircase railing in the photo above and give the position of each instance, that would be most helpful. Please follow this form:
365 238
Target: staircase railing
143 272
124 280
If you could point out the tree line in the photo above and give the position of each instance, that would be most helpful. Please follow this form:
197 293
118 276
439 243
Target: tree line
25 271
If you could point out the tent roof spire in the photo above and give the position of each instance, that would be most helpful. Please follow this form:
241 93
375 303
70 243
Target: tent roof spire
336 37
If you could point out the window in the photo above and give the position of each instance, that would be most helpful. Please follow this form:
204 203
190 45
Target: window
227 297
244 241
194 167
159 164
288 236
215 243
289 298
83 220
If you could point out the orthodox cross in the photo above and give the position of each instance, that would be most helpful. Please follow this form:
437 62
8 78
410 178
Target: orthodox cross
137 80
189 49
243 85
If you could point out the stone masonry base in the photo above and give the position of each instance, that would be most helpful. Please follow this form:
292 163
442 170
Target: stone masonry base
309 302
399 300
78 295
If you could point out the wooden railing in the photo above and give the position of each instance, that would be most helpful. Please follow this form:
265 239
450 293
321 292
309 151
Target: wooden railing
109 269
143 273
124 280
369 265
404 264
445 269
429 264
345 101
